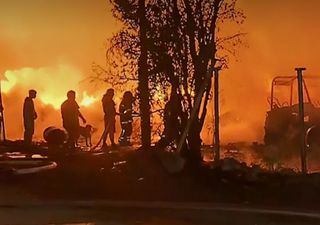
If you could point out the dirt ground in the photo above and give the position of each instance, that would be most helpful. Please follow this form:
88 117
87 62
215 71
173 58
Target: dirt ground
144 216
136 175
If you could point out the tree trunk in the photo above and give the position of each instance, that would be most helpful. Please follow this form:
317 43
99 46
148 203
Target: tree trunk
143 83
216 116
205 105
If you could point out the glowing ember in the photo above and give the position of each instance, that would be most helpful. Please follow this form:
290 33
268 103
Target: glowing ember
160 95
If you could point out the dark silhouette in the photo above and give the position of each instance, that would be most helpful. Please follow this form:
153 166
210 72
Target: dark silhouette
86 132
55 136
109 110
143 77
29 116
184 44
125 110
172 119
70 118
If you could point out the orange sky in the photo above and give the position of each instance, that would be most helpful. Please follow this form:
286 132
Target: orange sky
50 35
282 34
39 33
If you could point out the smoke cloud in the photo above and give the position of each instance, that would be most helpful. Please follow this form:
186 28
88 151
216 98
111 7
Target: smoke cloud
50 45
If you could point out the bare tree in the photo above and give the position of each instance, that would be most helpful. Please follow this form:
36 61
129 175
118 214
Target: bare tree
171 45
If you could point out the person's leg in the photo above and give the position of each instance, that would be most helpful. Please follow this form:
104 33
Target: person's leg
71 142
27 137
76 135
105 136
112 130
28 132
105 132
122 135
111 136
128 133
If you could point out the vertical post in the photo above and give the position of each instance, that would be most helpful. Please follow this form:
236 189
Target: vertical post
301 120
291 93
272 93
216 115
2 126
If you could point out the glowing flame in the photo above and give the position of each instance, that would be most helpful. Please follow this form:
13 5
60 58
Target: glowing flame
51 83
87 100
9 82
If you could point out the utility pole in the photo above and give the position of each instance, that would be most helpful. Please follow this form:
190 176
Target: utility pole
301 121
216 115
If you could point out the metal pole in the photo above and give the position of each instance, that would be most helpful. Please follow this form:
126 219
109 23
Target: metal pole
291 93
272 93
2 127
301 120
216 115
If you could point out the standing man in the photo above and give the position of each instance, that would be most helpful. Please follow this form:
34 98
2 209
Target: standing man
29 116
70 118
109 110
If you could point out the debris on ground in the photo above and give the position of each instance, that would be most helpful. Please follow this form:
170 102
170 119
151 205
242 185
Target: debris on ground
131 174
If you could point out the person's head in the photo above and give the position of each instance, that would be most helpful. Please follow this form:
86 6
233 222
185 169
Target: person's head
128 97
32 93
71 95
110 93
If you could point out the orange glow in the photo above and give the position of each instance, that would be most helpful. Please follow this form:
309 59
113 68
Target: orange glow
9 82
52 52
51 84
160 95
87 100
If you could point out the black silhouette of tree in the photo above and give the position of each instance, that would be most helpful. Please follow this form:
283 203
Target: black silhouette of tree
182 40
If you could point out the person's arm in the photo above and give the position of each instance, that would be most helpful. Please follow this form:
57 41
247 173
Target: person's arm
79 113
35 115
82 117
121 109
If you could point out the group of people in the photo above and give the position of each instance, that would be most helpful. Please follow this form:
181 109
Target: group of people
126 117
70 112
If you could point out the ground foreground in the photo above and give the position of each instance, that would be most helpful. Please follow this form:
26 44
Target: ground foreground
87 182
116 213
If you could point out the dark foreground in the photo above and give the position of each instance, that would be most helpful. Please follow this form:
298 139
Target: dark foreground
88 187
132 214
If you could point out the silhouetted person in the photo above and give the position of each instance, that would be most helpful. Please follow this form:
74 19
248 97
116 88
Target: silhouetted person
172 119
125 110
70 118
29 116
109 117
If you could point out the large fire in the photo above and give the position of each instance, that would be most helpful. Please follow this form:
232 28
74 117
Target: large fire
52 84
87 100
